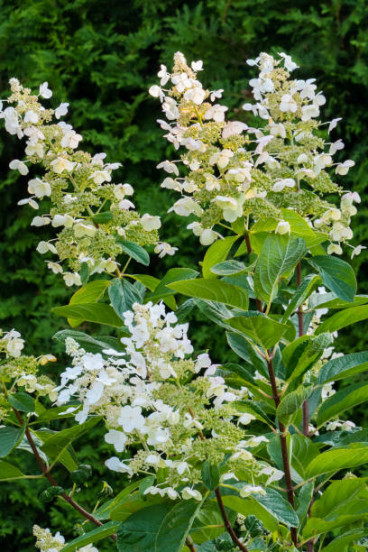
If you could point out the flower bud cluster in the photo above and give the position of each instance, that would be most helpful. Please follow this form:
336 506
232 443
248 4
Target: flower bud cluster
46 542
173 409
22 371
88 210
288 162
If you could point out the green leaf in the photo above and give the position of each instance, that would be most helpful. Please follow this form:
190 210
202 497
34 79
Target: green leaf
176 526
264 331
249 506
101 532
338 459
103 218
227 268
272 504
9 439
337 275
304 500
300 228
210 475
173 275
342 367
306 288
158 528
208 524
123 295
342 319
291 403
8 472
342 503
278 506
241 346
91 344
302 354
215 254
105 510
91 292
22 401
150 282
99 313
278 258
339 544
135 251
57 444
56 413
213 290
342 400
216 312
302 452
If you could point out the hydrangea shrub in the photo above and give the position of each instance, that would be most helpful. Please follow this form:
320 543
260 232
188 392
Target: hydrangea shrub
256 454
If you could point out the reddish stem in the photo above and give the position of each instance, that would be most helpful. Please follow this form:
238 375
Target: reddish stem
305 407
49 477
227 523
284 450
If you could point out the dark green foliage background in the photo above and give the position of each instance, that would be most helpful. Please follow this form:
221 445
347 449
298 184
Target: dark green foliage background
101 56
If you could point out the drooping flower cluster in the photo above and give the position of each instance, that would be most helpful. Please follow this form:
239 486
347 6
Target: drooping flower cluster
21 372
46 542
285 165
176 409
89 211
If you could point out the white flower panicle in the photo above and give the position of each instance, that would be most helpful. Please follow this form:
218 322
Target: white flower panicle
298 161
218 179
157 395
90 212
287 164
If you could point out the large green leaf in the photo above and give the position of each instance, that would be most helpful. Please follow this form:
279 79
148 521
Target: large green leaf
338 459
22 401
279 256
159 528
213 290
339 543
272 502
99 313
342 367
342 319
57 444
249 506
291 403
123 295
161 291
93 291
216 254
306 288
9 438
342 503
344 399
8 472
301 355
92 536
337 275
135 251
89 293
262 330
228 268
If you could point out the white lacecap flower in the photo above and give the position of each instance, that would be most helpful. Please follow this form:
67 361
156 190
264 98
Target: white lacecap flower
19 166
44 91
